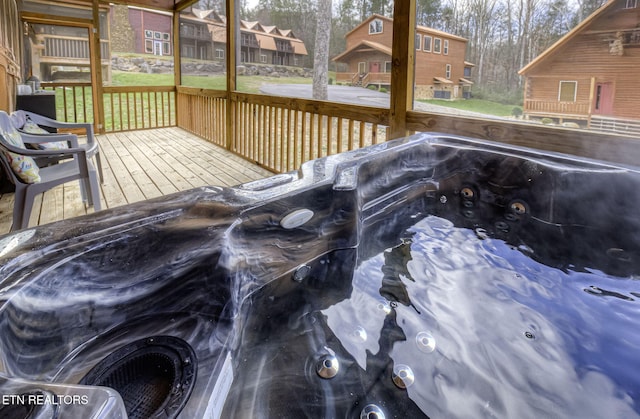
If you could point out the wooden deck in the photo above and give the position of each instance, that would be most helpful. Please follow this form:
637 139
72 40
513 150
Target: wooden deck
140 165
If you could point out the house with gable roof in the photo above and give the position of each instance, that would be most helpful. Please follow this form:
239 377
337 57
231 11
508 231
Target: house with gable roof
203 36
441 69
270 45
591 74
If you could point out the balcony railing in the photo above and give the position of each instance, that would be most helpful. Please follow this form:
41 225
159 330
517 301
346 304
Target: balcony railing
60 47
189 32
554 107
249 42
367 79
280 133
284 47
125 108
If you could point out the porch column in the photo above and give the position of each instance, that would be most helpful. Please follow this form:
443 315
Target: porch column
232 50
402 67
96 71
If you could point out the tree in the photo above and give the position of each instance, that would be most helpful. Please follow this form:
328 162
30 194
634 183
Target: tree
428 13
321 53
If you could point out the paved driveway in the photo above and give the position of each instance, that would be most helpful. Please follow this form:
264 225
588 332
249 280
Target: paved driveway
358 96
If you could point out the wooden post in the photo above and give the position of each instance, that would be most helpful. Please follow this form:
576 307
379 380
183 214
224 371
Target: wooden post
232 25
592 93
402 67
96 73
177 63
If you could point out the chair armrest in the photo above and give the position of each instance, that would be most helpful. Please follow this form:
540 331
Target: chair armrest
66 152
49 138
43 120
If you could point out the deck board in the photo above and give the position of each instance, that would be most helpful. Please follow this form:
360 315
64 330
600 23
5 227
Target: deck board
140 165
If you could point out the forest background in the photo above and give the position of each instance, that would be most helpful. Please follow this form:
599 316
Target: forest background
504 35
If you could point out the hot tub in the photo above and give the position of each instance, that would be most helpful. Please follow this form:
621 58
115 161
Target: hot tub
432 276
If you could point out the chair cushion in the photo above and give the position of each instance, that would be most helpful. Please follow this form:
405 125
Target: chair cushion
23 166
18 119
31 127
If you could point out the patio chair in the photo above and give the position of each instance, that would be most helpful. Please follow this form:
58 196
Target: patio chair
29 180
31 123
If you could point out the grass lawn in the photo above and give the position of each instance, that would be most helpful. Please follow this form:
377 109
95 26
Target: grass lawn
248 84
475 105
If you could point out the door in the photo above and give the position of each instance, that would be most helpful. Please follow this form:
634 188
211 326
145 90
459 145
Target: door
157 47
603 100
375 67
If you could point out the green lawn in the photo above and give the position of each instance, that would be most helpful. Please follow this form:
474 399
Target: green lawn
475 105
248 84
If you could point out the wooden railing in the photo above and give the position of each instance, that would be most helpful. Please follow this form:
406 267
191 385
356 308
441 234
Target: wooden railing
58 48
617 125
379 78
550 107
131 108
369 78
74 101
126 108
279 133
203 112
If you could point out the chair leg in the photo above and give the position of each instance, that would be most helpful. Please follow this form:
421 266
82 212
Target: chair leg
99 164
94 190
29 197
85 192
18 209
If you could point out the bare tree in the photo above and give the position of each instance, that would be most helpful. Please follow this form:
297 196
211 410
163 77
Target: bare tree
321 53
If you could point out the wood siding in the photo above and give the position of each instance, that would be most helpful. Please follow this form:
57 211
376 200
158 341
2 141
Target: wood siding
142 20
429 64
591 58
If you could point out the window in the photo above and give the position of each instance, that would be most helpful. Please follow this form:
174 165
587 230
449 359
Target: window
448 71
263 58
568 91
166 48
375 26
387 66
418 42
631 4
148 46
467 71
157 35
148 34
427 43
445 49
219 53
437 46
166 37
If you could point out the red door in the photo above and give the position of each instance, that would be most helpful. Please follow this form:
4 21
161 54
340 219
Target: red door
603 101
374 68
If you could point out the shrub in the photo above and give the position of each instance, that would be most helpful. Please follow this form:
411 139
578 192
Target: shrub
330 81
383 90
516 112
372 87
547 121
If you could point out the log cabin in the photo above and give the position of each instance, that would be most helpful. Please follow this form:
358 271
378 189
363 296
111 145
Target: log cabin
590 75
441 69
